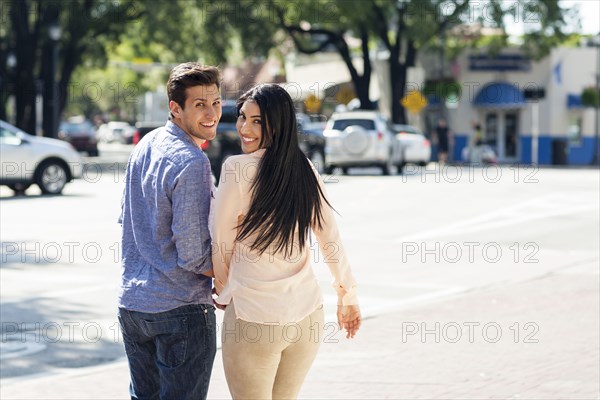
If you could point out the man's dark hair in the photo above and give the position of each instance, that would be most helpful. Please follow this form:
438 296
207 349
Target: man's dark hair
187 75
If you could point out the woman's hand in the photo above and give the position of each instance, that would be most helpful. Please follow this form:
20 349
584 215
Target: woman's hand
349 319
219 306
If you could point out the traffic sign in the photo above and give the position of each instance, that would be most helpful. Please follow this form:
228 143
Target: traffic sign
312 104
414 101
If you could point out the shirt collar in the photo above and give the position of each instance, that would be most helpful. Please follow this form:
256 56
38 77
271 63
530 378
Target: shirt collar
174 129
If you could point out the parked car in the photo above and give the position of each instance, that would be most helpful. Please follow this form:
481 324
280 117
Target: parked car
144 127
415 148
311 140
116 131
360 139
227 143
27 159
80 133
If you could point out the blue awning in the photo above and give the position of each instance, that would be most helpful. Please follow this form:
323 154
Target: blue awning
574 101
499 95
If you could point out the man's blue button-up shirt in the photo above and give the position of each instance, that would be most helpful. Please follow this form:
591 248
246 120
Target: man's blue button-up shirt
166 242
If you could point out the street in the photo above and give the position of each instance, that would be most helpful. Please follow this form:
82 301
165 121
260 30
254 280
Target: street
424 241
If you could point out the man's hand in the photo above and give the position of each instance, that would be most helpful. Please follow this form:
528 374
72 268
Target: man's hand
349 319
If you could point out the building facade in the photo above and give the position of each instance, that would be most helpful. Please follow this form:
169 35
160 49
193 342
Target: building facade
523 105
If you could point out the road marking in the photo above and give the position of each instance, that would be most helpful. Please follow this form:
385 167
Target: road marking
539 208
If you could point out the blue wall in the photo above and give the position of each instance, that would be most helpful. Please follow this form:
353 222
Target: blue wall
544 149
460 142
578 153
582 153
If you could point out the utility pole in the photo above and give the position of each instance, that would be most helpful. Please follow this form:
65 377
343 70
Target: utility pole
596 160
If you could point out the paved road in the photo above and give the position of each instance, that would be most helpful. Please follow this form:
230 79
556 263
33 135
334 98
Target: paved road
430 246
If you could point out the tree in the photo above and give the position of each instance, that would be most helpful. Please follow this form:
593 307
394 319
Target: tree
165 31
86 25
332 30
403 28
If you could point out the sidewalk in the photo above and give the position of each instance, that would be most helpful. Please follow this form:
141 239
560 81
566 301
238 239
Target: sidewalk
531 340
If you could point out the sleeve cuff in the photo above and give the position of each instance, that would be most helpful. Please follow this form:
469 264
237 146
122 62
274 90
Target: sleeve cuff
349 297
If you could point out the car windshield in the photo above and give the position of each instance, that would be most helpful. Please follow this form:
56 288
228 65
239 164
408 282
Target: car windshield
342 124
71 127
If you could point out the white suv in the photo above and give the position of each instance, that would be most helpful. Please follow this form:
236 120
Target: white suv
27 159
361 139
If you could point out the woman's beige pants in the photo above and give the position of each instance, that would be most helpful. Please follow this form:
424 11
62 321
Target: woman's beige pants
269 361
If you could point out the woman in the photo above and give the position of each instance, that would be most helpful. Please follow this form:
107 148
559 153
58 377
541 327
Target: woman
269 200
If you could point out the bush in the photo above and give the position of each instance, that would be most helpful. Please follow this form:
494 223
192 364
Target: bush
590 97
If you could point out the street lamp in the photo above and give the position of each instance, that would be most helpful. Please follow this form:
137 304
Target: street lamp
54 32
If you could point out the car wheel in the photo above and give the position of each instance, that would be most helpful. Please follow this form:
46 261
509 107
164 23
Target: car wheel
344 170
318 160
389 168
93 153
329 170
51 177
19 188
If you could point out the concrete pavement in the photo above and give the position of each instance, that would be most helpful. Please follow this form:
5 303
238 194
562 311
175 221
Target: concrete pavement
537 339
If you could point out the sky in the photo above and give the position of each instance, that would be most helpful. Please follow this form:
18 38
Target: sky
589 11
590 14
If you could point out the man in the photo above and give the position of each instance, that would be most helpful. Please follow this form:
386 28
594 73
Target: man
165 304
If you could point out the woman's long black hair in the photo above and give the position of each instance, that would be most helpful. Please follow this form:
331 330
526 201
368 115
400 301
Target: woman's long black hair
285 194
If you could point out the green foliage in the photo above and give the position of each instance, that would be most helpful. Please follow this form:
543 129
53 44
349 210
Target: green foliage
590 97
100 37
444 89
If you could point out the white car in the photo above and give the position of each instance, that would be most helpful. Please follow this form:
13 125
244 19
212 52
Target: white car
415 148
360 139
26 159
116 131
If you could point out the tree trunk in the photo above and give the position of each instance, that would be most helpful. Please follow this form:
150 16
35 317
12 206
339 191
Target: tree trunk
365 80
361 82
398 73
398 84
70 62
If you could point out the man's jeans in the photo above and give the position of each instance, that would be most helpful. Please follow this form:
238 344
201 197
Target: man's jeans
170 353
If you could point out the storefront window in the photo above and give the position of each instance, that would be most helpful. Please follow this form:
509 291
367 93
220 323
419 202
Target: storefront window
491 128
511 134
574 128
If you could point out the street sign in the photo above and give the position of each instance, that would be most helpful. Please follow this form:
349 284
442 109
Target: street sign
414 101
344 95
312 104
